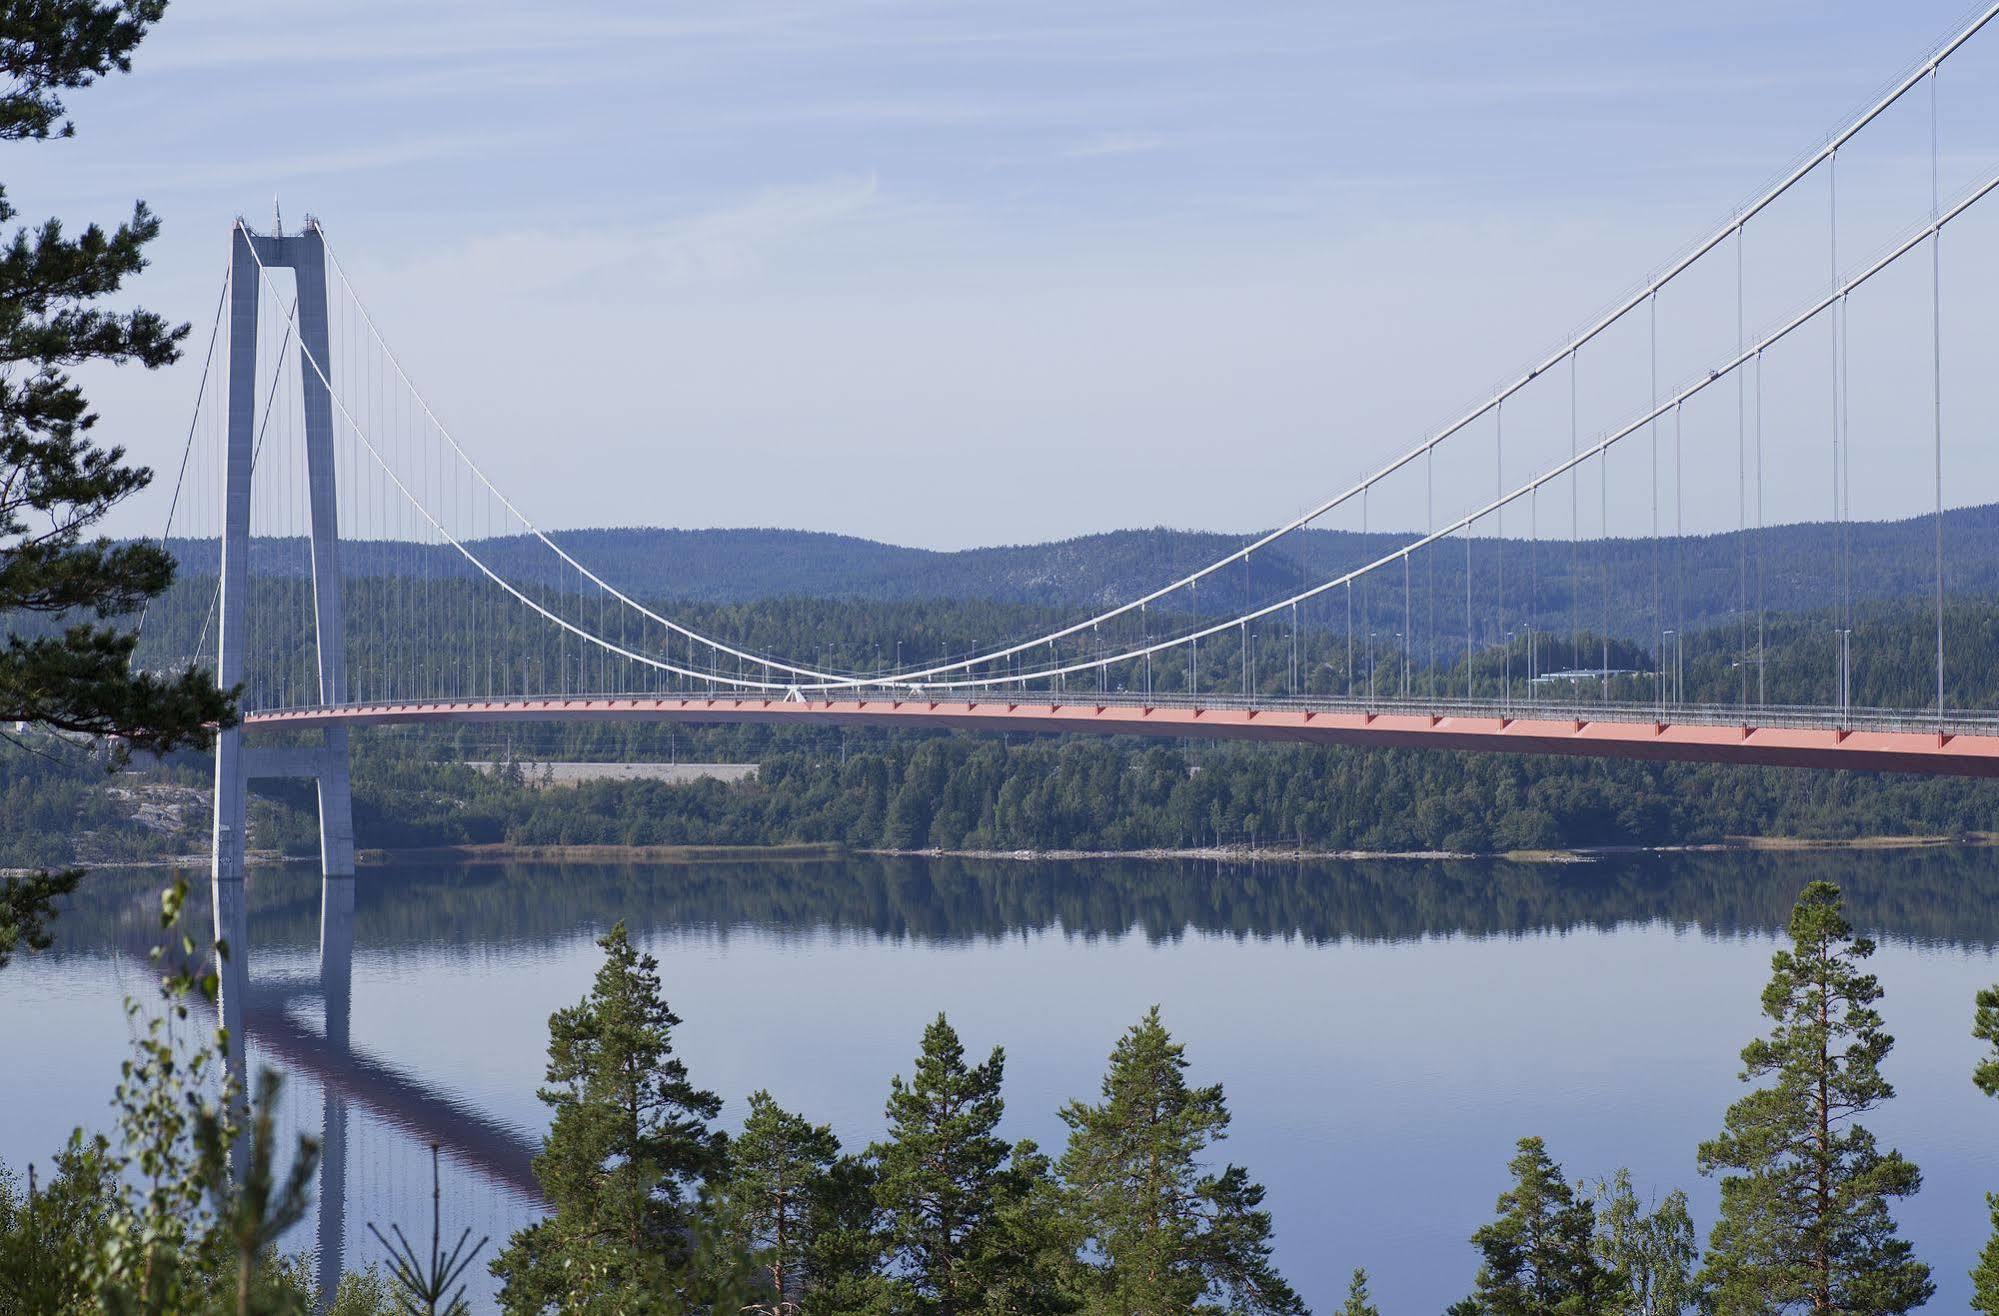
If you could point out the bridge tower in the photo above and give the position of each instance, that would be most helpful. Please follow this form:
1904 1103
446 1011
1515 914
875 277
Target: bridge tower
236 765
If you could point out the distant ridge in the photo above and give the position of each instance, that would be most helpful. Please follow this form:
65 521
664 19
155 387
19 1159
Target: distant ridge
1889 560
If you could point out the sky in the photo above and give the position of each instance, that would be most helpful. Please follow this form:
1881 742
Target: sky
949 275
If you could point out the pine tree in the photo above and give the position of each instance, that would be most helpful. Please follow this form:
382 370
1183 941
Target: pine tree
1539 1256
957 1236
1170 1235
1985 1027
56 484
780 1173
1359 1302
1805 1192
1654 1250
630 1136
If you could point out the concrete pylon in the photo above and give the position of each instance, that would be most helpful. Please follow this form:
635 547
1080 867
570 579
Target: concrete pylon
235 763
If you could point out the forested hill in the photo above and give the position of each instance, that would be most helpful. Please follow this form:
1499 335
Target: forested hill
1888 560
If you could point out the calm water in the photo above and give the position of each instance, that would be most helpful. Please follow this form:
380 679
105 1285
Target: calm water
1385 1030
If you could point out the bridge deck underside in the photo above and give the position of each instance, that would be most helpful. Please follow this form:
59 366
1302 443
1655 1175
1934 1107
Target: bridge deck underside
1940 751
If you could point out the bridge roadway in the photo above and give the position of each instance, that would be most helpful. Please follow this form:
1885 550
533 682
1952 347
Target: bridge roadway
1873 740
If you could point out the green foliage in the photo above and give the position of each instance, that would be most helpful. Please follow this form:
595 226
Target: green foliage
161 1243
629 1137
1654 1250
781 1181
252 1205
1985 1275
959 1233
56 484
177 1213
1805 1192
27 905
1167 1234
1359 1302
1539 1258
364 1292
49 1233
1985 1027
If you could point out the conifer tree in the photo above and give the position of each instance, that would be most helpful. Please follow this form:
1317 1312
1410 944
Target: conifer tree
957 1235
1170 1235
780 1174
1985 1027
629 1138
1359 1302
1539 1257
1805 1190
1654 1250
56 482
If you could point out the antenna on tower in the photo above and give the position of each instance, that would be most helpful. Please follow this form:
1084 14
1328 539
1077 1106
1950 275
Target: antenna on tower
277 216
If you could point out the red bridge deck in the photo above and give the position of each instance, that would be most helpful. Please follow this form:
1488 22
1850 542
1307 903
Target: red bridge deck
1873 741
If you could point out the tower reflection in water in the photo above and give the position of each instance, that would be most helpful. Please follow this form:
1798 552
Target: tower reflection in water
263 1013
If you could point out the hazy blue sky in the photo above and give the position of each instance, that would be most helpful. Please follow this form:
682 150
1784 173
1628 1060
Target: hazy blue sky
951 274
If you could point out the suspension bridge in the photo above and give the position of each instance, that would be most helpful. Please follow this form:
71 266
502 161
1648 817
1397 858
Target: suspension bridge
347 561
1533 576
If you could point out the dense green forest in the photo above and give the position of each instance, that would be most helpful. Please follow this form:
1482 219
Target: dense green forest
950 791
961 792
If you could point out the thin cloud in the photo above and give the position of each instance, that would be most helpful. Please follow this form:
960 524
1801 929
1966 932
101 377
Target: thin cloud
1116 143
717 245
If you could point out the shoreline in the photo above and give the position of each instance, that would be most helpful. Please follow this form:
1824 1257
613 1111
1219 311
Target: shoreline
1559 855
807 852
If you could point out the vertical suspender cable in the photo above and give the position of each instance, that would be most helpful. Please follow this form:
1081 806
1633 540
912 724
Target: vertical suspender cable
1603 531
1652 429
1499 545
1835 315
1500 631
1533 586
1468 531
1741 494
1408 630
1575 548
1679 561
1762 638
1936 374
1430 566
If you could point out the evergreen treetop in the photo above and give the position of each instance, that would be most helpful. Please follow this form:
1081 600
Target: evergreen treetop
628 1141
1805 1190
780 1168
1359 1302
1171 1234
1538 1258
947 1189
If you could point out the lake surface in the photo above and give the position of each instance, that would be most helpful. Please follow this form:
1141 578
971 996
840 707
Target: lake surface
1385 1030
